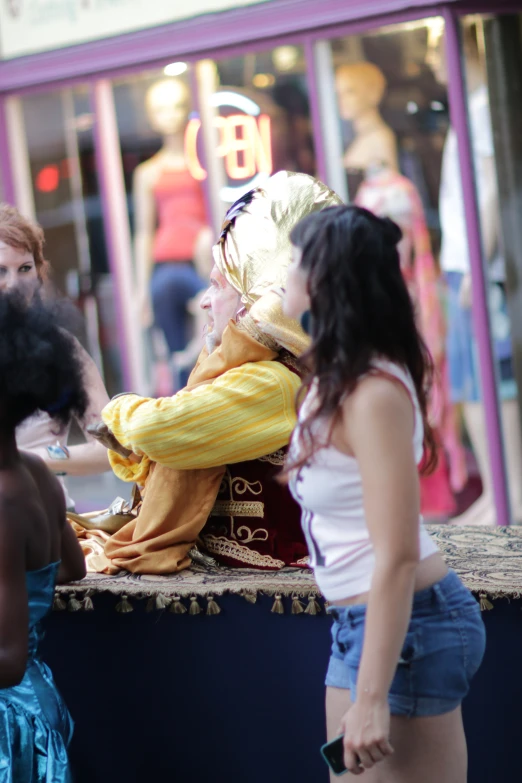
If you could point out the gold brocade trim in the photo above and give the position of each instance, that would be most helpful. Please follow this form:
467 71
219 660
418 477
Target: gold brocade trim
231 508
285 357
239 485
248 325
237 508
227 548
277 458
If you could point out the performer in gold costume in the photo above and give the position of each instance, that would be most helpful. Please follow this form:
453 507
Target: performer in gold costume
207 456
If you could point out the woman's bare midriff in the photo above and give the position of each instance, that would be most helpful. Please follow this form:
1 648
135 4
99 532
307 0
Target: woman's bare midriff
429 572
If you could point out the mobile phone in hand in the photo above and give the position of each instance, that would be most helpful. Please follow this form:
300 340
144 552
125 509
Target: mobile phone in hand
333 754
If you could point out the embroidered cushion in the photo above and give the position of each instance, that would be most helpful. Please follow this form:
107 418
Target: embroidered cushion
255 522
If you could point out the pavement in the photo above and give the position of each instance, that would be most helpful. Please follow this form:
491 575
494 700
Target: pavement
95 493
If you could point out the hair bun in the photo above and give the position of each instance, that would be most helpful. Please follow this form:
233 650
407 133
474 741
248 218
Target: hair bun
392 233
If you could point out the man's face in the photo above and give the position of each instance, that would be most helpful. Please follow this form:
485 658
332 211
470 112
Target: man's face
221 302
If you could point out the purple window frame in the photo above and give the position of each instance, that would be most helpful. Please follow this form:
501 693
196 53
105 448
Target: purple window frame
261 27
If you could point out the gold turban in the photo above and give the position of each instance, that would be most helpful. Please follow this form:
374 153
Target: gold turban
254 252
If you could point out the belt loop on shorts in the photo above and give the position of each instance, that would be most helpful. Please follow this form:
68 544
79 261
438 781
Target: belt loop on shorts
440 597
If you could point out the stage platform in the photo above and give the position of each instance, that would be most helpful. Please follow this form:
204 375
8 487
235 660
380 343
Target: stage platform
217 673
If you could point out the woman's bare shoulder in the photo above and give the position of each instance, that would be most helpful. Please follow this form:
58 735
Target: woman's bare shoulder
45 481
377 396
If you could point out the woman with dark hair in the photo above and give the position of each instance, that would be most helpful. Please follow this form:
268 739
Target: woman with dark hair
407 635
23 267
40 371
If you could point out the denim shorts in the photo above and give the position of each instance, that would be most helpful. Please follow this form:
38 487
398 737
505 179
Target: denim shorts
443 649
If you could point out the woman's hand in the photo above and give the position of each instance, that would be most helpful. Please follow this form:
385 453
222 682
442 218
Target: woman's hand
366 730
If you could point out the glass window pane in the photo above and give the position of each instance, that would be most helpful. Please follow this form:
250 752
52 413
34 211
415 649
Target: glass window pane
398 154
261 117
166 196
492 49
55 150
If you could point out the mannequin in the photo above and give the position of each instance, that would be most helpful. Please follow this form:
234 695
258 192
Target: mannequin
389 194
172 243
374 153
360 88
455 265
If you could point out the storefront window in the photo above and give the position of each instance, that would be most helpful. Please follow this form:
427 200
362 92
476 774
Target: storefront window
52 152
191 144
189 139
261 117
394 146
492 50
167 209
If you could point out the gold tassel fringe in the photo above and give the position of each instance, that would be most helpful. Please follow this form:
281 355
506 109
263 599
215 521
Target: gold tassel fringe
124 607
59 604
314 607
176 606
73 605
278 607
195 608
212 606
250 597
485 604
88 605
162 602
297 606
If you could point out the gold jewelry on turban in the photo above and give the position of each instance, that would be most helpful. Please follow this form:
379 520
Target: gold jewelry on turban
254 251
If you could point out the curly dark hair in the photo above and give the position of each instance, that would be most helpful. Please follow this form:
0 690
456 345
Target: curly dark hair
40 366
361 309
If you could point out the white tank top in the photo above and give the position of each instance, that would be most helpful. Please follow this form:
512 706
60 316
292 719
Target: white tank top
329 490
38 432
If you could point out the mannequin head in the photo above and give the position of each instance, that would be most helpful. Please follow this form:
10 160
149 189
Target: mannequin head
167 104
360 88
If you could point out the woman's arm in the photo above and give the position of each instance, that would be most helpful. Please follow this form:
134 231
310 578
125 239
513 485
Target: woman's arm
14 609
379 424
72 561
90 457
72 566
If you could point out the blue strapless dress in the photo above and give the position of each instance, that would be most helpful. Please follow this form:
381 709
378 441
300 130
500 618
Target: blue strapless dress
35 725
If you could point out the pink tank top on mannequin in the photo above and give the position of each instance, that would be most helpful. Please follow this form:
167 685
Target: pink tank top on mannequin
329 489
180 206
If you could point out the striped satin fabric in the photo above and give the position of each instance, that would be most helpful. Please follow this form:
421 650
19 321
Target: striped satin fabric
246 413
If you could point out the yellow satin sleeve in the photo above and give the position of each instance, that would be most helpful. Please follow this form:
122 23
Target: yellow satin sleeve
247 412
